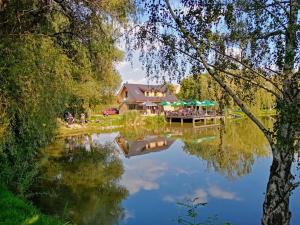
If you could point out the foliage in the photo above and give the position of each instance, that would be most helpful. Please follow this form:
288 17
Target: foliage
157 120
202 87
232 151
234 42
54 56
15 211
131 118
192 214
30 66
81 184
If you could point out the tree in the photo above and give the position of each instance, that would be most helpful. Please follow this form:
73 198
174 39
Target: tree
261 40
51 52
86 189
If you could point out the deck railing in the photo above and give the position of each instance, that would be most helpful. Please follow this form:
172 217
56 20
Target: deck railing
191 114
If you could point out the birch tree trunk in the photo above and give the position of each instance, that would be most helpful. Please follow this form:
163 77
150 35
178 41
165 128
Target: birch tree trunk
279 188
280 185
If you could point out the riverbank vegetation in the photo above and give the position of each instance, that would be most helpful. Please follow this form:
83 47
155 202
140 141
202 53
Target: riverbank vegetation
15 210
55 56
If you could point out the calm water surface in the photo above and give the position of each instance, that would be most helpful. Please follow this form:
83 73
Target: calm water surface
138 176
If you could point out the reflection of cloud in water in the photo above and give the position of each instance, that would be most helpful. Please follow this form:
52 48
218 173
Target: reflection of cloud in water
201 195
143 175
128 215
180 171
217 192
104 139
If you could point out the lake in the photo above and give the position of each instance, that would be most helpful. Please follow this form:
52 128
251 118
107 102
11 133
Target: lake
142 176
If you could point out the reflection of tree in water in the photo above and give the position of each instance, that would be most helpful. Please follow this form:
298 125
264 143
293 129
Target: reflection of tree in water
233 151
83 186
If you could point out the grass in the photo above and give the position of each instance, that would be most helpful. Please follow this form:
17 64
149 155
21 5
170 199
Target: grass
15 211
262 112
109 122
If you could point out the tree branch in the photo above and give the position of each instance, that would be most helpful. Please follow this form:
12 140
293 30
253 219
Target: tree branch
248 80
223 71
266 132
236 60
272 14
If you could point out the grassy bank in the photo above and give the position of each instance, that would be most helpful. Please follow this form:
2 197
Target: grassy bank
96 123
99 123
14 210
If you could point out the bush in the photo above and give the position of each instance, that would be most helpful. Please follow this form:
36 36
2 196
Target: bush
157 120
131 118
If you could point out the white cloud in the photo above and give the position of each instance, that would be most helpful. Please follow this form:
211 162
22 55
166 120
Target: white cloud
122 65
201 195
183 171
128 215
143 175
132 72
217 192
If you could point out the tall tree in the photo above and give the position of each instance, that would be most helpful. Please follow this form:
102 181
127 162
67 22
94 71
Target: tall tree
261 39
51 51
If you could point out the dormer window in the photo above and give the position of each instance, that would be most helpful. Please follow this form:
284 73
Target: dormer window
126 94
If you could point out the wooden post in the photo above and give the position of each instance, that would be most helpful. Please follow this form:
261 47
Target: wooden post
181 121
204 121
193 122
170 120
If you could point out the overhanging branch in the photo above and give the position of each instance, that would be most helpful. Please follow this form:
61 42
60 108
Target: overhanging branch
211 72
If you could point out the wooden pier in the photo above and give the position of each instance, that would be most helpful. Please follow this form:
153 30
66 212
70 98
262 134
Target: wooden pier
196 119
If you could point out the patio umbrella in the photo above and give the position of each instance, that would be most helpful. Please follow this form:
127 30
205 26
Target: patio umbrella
190 103
194 103
175 104
208 103
182 103
165 103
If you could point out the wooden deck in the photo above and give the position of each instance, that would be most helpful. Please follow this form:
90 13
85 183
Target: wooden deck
196 119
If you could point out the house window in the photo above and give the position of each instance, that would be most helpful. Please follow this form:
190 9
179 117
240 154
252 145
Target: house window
126 94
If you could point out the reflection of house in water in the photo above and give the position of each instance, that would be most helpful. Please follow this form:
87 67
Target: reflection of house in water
143 146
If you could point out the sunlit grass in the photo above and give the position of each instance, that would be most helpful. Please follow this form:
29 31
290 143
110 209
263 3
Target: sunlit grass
14 210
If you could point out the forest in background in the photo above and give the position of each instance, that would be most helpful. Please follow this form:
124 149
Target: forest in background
202 87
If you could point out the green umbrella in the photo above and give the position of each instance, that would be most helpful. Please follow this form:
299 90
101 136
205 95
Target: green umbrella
190 103
165 103
179 103
208 103
197 103
175 104
182 103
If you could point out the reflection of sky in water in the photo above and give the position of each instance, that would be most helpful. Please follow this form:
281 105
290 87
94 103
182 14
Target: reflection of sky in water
104 139
157 181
